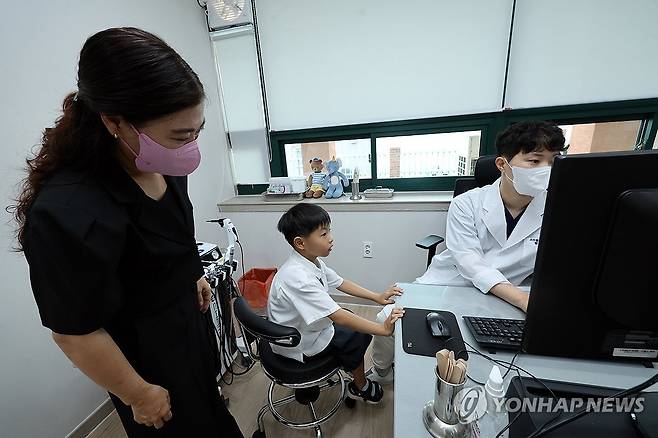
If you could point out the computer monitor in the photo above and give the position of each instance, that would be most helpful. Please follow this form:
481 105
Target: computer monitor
594 291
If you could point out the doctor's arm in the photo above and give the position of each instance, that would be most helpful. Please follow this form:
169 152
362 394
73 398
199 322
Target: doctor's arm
512 295
97 355
463 242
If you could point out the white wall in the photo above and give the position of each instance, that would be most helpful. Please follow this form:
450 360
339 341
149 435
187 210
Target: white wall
41 394
395 256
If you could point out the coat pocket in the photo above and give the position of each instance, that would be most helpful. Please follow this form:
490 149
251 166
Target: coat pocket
529 255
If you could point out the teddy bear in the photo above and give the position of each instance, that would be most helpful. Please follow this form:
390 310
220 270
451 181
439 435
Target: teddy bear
314 183
334 181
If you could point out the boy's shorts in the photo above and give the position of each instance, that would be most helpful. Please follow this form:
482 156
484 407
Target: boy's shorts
348 346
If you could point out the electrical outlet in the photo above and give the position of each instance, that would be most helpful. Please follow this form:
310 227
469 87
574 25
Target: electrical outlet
367 249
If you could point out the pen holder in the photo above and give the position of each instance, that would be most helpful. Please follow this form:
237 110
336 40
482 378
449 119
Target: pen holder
444 399
440 416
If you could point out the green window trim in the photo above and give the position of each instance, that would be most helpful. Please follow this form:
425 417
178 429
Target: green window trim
489 123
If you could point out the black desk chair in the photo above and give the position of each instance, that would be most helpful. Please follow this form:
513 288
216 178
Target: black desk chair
486 173
307 379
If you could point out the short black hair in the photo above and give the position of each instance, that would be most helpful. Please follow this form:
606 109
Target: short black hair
529 136
301 220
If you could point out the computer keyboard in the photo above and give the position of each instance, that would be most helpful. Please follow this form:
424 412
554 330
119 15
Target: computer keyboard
497 333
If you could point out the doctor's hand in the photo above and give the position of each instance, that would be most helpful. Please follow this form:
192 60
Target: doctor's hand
204 292
523 302
152 407
385 297
389 324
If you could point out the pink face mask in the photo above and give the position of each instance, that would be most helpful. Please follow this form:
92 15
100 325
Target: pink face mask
153 157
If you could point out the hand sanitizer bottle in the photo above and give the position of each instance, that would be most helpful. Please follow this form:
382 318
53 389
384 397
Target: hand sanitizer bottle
495 419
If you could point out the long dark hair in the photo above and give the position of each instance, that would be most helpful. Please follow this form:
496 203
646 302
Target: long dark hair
122 72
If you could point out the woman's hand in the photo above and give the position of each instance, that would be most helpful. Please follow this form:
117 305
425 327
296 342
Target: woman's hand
204 292
152 406
385 297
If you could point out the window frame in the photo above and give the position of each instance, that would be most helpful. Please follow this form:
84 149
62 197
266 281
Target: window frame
489 123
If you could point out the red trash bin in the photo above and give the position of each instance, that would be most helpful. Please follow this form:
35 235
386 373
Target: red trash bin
255 286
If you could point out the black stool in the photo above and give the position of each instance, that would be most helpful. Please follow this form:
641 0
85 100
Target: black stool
307 379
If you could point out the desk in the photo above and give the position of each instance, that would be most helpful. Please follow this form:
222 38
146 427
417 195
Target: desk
414 375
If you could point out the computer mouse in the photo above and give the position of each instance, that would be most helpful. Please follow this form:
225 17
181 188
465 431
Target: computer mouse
437 325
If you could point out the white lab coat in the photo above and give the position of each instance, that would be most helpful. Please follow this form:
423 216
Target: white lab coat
478 251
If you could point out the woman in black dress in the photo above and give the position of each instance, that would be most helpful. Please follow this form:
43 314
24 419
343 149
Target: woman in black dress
107 229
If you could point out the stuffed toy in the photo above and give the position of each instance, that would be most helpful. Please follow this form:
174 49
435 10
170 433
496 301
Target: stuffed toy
334 181
314 183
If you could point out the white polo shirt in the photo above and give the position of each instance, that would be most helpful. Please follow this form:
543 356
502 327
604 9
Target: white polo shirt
299 298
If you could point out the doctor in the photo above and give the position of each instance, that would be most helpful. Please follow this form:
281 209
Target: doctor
492 232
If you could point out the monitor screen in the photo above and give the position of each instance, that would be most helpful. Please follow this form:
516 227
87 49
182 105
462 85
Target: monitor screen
595 274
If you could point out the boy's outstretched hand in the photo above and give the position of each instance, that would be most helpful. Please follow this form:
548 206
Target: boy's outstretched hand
385 297
389 324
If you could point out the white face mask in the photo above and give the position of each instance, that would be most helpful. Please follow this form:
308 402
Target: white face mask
530 182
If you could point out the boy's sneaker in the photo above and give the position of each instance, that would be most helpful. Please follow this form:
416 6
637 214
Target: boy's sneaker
383 379
372 393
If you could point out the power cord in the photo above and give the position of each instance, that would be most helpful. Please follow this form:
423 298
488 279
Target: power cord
477 352
548 427
510 365
226 330
241 261
224 338
503 430
226 334
551 424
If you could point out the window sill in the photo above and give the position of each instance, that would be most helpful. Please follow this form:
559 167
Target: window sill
401 201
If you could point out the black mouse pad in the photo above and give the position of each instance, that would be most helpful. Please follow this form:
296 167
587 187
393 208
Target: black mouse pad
417 338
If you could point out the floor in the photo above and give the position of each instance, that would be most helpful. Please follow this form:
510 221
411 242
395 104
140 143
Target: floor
249 392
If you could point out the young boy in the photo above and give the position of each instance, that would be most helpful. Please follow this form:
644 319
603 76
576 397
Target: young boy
299 298
492 232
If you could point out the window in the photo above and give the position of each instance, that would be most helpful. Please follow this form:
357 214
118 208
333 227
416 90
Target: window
353 154
427 155
601 137
431 154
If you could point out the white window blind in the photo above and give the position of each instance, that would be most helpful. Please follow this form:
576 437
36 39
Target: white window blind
582 51
343 61
235 53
